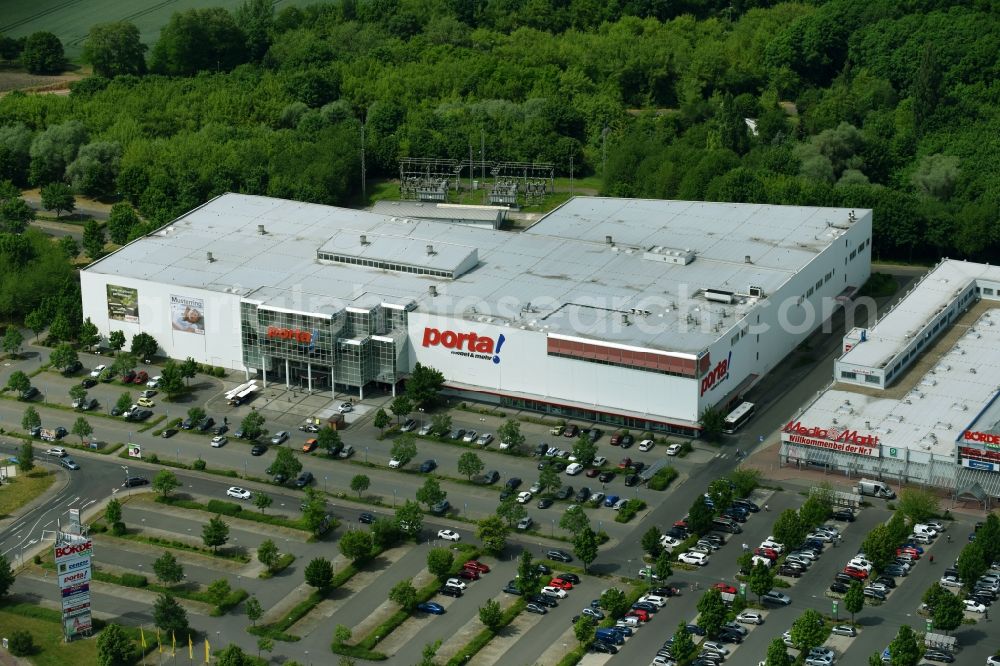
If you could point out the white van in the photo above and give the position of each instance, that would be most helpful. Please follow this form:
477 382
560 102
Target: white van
920 528
628 621
660 602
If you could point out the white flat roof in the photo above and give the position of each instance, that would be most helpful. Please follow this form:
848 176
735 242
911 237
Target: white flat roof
560 276
940 407
896 329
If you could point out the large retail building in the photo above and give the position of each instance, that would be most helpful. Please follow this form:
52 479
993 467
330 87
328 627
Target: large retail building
631 312
915 396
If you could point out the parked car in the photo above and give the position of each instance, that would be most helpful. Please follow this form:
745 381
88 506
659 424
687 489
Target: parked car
558 555
449 535
776 598
431 607
408 425
428 466
304 479
525 523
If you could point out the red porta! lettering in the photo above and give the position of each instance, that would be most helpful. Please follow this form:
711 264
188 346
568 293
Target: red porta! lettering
714 375
73 549
304 337
451 340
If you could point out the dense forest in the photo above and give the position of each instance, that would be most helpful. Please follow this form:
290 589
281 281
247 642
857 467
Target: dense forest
888 104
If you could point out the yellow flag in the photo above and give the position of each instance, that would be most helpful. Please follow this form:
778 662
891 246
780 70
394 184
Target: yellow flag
142 637
173 643
159 645
207 648
190 647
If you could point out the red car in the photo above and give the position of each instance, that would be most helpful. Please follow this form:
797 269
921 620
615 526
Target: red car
571 431
725 588
468 574
639 613
561 584
625 463
477 565
859 574
909 550
141 377
591 473
769 553
681 524
616 439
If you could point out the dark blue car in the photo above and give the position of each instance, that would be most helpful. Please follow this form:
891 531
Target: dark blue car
431 607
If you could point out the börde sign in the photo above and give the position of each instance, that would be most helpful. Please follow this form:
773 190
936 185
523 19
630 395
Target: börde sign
987 438
472 345
834 439
70 550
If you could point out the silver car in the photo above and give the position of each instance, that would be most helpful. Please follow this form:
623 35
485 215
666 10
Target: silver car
279 437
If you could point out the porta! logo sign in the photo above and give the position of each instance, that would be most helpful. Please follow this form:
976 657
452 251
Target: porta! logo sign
716 375
472 345
303 337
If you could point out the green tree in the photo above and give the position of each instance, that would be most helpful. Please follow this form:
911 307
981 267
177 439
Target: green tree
574 519
441 424
712 421
63 355
233 655
356 545
721 494
198 40
404 449
683 648
989 536
491 615
745 560
430 493
168 569
470 464
264 644
529 578
319 573
712 611
53 149
761 579
815 510
917 505
123 403
254 610
948 613
89 336
267 554
262 501
116 340
777 654
971 563
511 511
165 482
113 511
904 649
12 341
424 386
124 362
215 533
510 434
255 18
171 381
381 421
385 533
114 49
169 615
22 643
144 345
360 484
615 602
341 634
440 561
31 419
400 407
650 542
61 328
25 458
18 382
789 529
82 428
584 450
285 464
93 239
37 320
252 425
43 54
584 630
329 440
549 479
7 576
700 517
71 249
492 532
114 648
585 546
188 369
745 481
314 511
854 599
404 594
122 221
409 519
58 197
218 590
808 630
880 547
662 567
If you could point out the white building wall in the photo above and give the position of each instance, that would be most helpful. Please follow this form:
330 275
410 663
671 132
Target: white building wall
220 343
526 368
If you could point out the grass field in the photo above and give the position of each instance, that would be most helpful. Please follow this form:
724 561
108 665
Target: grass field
20 490
70 20
52 651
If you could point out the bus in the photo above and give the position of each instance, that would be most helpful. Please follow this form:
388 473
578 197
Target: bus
738 417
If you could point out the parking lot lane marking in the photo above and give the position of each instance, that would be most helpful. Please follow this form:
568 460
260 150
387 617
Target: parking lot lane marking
86 504
48 523
75 500
18 527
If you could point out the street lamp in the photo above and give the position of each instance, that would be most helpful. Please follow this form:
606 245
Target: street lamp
366 455
125 467
553 533
325 479
393 498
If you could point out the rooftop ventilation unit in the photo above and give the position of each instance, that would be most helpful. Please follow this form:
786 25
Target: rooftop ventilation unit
430 249
432 290
209 257
746 259
668 255
755 292
720 296
609 240
364 239
260 229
